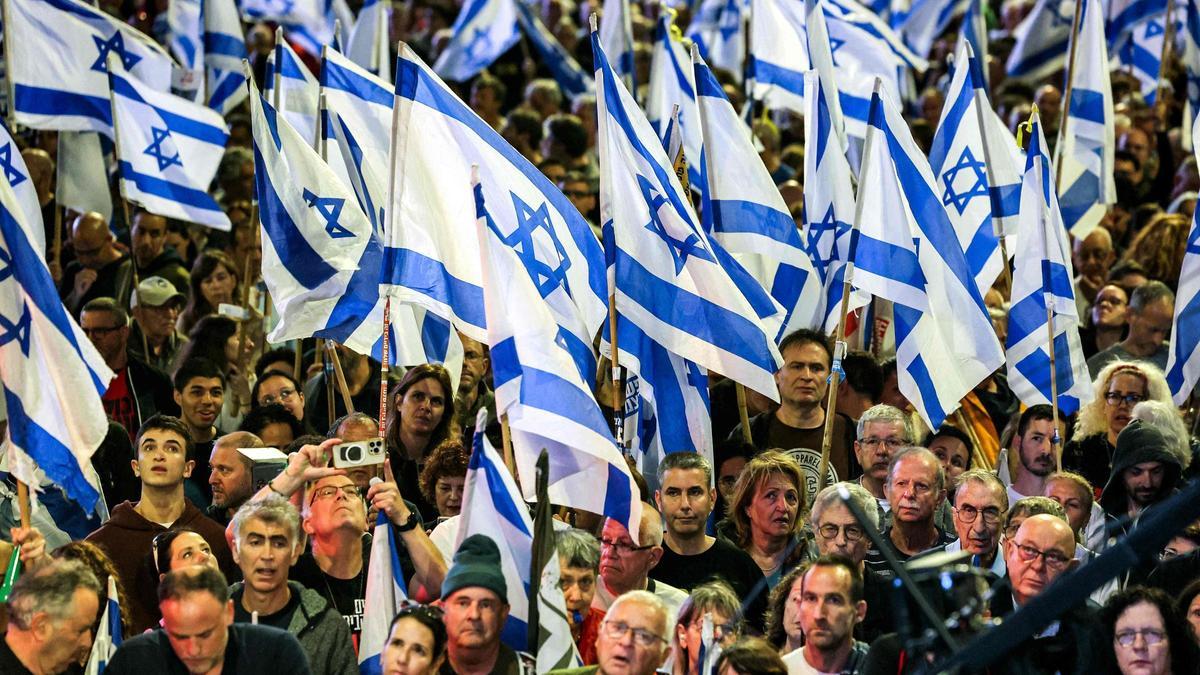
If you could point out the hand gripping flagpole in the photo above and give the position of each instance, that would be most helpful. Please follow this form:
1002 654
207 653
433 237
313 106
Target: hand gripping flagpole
839 346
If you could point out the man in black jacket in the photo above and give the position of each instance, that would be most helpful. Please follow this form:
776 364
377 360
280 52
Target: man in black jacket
1145 471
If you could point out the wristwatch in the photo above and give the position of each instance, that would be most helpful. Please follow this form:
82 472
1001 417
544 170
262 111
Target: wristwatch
409 524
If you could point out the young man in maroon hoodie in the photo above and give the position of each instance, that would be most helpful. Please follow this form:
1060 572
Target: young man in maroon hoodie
164 461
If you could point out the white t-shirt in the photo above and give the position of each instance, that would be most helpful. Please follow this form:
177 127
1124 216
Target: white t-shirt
798 665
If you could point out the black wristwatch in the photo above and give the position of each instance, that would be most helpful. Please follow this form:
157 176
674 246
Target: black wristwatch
409 524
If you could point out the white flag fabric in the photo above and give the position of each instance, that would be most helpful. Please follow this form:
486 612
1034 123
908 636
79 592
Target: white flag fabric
109 635
719 33
83 173
907 252
52 377
1042 39
185 39
1183 363
69 91
168 151
308 22
368 44
224 49
616 34
386 593
672 84
17 175
483 31
299 92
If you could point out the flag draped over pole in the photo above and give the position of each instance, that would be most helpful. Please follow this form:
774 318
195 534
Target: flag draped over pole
299 92
552 641
386 593
718 29
1183 363
109 635
1042 38
483 31
571 78
224 49
616 34
368 44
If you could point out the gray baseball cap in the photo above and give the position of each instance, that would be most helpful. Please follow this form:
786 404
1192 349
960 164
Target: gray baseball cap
155 292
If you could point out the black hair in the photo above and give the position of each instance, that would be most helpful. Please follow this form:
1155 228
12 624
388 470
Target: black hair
274 356
166 423
260 417
196 367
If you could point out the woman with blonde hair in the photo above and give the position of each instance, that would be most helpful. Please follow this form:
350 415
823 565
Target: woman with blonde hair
1119 387
766 514
1160 245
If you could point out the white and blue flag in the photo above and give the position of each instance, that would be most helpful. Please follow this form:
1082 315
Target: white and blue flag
308 22
386 592
925 20
1042 39
69 90
432 255
1042 276
17 176
670 278
358 130
1086 153
109 635
185 39
672 86
571 78
908 252
483 31
224 49
1183 362
1139 52
1123 15
550 405
975 33
616 34
51 376
168 151
719 32
1190 55
299 97
368 44
969 136
744 211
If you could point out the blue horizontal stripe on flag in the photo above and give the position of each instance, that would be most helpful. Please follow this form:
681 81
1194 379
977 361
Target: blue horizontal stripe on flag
707 321
50 455
1026 316
226 45
81 10
706 83
785 78
228 84
429 277
43 101
413 83
335 76
889 260
397 569
1057 281
362 293
27 266
1032 62
1006 200
182 194
176 124
735 216
501 501
1087 105
547 391
1079 197
982 246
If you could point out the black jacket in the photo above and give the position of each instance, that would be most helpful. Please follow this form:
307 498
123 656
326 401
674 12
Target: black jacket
251 649
152 390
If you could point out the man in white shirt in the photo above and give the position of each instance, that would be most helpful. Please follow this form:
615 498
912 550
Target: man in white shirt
830 598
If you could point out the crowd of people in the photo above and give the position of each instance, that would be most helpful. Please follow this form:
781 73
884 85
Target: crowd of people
741 565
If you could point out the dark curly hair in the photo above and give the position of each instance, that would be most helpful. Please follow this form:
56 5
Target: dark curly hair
1179 639
448 460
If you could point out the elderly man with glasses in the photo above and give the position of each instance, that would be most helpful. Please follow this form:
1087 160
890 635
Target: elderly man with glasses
633 637
625 564
980 501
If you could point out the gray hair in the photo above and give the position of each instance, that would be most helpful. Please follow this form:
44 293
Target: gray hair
1165 417
578 548
883 412
858 494
685 461
547 87
653 602
1149 293
51 590
939 480
986 479
273 510
1028 507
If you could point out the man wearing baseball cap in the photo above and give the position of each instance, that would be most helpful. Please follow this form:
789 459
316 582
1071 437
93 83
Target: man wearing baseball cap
475 602
156 304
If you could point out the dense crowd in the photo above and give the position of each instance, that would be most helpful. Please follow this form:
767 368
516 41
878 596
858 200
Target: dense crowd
739 556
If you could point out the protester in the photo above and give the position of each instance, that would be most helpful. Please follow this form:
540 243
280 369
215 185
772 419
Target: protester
830 603
766 514
633 637
101 566
1145 471
214 280
51 616
231 477
750 656
200 393
155 306
100 268
882 430
422 418
1149 320
579 566
1148 637
154 258
980 503
916 485
273 424
625 564
198 634
275 386
444 476
176 549
416 643
953 448
473 392
714 603
1189 608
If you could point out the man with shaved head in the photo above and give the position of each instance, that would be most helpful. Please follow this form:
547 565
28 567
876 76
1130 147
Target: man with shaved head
99 270
231 477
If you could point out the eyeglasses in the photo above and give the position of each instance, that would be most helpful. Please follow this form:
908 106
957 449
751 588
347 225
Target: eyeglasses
891 443
968 514
285 394
623 548
1150 636
830 531
351 491
1116 398
615 630
1054 560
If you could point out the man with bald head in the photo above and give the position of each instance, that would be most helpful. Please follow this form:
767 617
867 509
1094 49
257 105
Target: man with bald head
231 477
151 253
1092 257
625 564
99 270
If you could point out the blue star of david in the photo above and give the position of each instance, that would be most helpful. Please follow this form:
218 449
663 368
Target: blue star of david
6 269
731 20
480 46
698 380
156 151
966 161
18 331
114 44
680 248
545 276
14 177
817 231
834 45
330 209
1153 29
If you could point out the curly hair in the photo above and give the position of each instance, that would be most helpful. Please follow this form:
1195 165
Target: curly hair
757 471
777 603
1160 245
1092 417
448 460
101 565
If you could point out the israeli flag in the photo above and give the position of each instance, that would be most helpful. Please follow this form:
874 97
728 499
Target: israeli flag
616 34
483 31
368 44
718 30
829 199
1124 15
308 22
1042 38
185 39
1042 276
69 91
1140 53
1086 153
925 20
670 277
571 78
51 375
386 593
1183 363
974 32
17 176
82 168
358 130
907 252
550 405
299 97
168 151
224 49
672 85
745 212
109 635
968 138
432 257
1190 55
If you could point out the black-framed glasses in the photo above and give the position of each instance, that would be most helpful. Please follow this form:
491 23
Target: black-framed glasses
327 491
1053 559
968 514
1116 398
623 548
830 531
615 630
1151 636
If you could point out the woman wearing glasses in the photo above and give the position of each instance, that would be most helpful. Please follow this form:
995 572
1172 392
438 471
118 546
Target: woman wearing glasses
1148 637
416 643
1118 388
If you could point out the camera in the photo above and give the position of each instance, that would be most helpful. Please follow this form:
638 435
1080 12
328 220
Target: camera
359 453
265 464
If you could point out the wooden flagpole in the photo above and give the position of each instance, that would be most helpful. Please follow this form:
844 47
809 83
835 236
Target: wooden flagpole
1065 113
